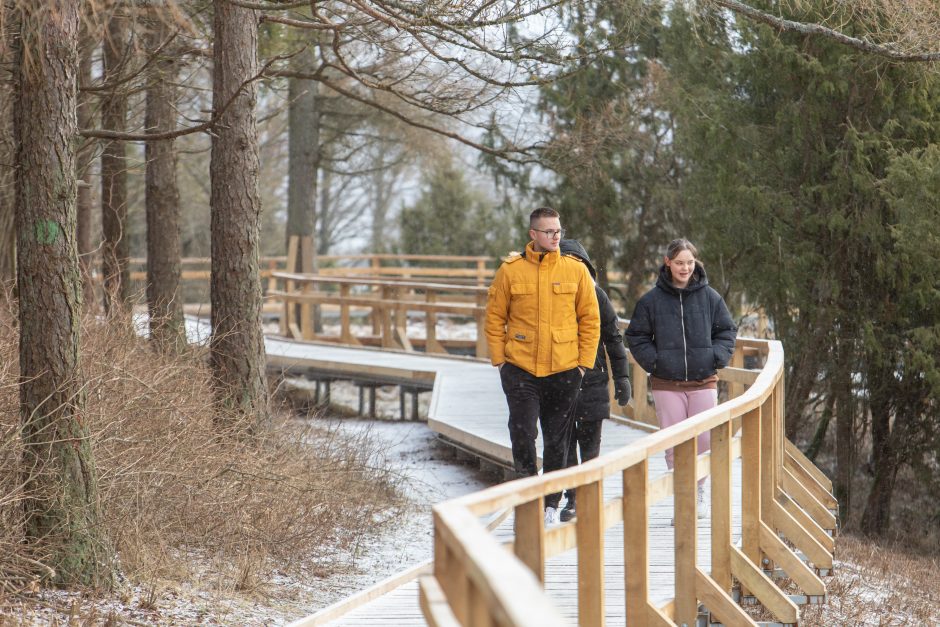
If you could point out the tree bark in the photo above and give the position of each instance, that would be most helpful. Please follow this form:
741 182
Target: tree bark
59 472
237 344
876 519
7 195
86 155
162 201
116 248
303 163
844 404
303 153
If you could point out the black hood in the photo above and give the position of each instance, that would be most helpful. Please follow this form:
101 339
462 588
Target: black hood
697 282
574 247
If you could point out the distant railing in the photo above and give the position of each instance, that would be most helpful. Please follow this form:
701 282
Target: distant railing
477 582
475 269
385 302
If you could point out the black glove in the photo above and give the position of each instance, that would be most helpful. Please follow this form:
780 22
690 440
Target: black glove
622 390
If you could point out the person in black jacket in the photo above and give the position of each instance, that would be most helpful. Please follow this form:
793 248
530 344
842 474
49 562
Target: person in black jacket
593 404
681 333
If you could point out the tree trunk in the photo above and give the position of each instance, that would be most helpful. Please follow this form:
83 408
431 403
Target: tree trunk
303 163
7 196
237 345
325 217
303 154
61 508
876 518
86 155
116 248
841 387
165 308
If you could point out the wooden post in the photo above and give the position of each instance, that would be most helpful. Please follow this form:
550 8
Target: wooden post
686 521
308 311
385 315
737 361
482 348
750 485
636 508
345 332
720 461
767 450
590 533
430 322
641 408
293 244
529 543
376 264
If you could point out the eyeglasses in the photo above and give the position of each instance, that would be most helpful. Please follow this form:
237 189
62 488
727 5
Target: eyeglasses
552 234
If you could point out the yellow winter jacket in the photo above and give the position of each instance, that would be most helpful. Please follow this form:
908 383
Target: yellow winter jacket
542 314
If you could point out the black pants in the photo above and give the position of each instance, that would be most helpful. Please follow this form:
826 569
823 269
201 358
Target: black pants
586 435
540 400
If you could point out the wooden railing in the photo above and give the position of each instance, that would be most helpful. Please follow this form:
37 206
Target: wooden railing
385 305
385 302
786 502
472 269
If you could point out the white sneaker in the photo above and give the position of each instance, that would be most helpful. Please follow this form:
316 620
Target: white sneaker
701 503
552 516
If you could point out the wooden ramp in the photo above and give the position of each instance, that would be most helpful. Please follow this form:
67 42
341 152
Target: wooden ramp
469 408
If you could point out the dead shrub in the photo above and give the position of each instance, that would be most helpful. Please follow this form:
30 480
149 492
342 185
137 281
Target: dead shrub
179 498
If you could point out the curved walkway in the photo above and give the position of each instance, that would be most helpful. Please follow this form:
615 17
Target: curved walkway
468 407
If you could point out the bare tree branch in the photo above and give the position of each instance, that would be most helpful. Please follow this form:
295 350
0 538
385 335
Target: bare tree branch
199 128
885 50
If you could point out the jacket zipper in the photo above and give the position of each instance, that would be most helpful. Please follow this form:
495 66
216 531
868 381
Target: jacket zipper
685 348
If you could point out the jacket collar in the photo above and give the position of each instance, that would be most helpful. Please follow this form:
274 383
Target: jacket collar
698 281
540 258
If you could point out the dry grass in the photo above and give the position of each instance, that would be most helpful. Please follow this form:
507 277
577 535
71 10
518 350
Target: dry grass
178 498
879 583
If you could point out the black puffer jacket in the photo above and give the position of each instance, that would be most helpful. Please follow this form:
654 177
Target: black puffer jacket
594 400
681 334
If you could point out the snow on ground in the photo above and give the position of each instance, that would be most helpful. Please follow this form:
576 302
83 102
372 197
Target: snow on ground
430 474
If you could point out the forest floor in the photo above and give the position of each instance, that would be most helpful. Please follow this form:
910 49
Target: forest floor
872 585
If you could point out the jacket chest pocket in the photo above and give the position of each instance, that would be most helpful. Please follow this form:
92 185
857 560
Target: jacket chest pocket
522 290
563 304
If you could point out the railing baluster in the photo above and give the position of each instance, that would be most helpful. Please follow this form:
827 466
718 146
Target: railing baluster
750 485
767 450
720 461
636 543
590 531
684 486
529 543
345 331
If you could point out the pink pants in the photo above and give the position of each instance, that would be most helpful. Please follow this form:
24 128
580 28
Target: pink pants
674 407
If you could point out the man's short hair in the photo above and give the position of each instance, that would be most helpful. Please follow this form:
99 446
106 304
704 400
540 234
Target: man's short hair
542 212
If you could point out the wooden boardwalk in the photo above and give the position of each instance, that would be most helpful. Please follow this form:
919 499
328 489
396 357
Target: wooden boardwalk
468 407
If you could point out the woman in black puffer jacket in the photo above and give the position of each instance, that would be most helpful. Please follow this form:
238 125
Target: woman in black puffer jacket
681 333
593 404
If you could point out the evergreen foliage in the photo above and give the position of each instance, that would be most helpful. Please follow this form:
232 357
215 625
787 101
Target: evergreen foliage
616 171
812 173
451 218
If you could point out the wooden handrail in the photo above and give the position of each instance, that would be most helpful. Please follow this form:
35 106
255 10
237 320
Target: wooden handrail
501 596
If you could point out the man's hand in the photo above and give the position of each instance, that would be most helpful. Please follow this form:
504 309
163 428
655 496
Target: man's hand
581 370
622 390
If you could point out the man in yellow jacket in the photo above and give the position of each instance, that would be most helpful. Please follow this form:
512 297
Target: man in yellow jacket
542 328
